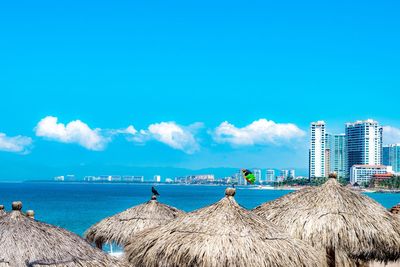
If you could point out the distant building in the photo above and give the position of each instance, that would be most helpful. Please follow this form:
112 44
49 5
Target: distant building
284 174
257 175
292 174
169 180
337 143
391 156
133 179
363 173
363 143
70 178
317 149
157 178
240 178
270 175
328 141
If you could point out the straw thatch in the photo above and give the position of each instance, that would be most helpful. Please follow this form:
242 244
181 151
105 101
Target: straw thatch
223 234
120 227
2 211
26 242
349 225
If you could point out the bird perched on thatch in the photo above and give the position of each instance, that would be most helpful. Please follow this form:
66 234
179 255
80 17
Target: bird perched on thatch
154 191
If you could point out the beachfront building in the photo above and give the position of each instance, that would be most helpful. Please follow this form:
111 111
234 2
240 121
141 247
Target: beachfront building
363 143
337 144
391 156
317 149
257 174
361 174
284 174
292 174
157 178
270 175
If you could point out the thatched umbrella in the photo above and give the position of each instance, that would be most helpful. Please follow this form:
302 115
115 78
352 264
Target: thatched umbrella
223 234
2 211
120 227
350 226
26 242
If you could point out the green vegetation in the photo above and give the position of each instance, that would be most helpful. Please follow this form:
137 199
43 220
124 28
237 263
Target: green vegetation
391 183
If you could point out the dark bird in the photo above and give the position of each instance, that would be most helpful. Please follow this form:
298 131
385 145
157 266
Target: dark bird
154 191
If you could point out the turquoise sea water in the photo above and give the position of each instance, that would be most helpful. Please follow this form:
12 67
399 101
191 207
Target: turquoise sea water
77 206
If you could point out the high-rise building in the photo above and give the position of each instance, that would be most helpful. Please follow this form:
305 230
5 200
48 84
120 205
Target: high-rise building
327 154
391 156
157 178
270 175
292 174
284 174
317 150
363 143
337 144
257 174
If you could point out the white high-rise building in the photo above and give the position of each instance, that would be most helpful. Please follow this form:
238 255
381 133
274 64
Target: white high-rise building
284 174
292 174
363 143
157 178
317 149
257 174
270 175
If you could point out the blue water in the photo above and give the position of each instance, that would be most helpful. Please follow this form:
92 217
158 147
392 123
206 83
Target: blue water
77 206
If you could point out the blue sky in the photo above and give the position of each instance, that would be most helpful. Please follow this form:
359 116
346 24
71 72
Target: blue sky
175 71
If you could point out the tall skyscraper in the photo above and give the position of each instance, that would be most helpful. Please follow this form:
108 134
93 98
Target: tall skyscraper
337 144
257 174
363 143
317 150
270 175
391 156
292 174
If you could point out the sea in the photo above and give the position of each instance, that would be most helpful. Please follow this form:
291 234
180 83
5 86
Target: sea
77 206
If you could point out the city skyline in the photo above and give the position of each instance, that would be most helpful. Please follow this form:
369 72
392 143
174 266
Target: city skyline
105 86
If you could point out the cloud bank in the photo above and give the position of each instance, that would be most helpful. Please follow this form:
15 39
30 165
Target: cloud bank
391 135
171 134
16 144
76 132
259 132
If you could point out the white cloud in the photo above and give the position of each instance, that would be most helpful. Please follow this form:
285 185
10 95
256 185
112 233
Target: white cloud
171 134
260 132
16 144
74 132
391 135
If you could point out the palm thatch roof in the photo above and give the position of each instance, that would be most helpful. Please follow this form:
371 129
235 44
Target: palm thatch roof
26 242
120 227
349 225
223 234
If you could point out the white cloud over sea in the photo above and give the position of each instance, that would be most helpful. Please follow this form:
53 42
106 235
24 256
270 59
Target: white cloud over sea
171 134
259 132
17 144
75 131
